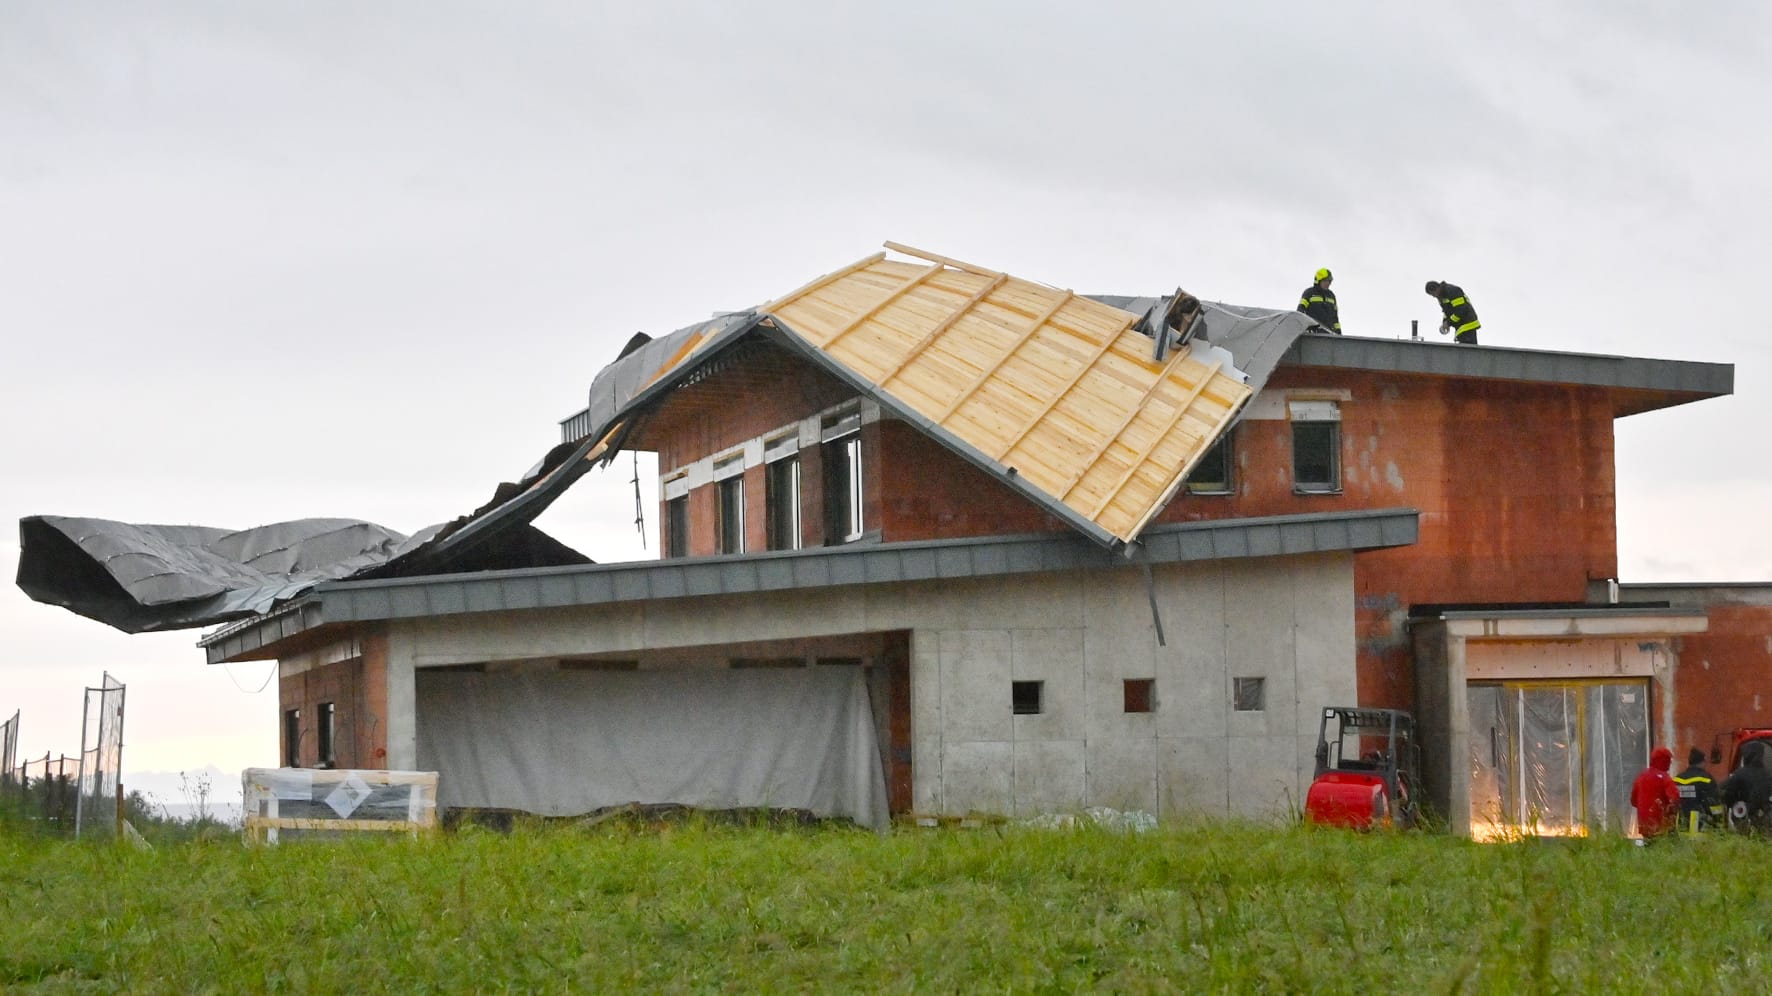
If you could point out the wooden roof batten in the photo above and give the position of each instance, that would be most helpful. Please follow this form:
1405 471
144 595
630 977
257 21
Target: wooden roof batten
1048 390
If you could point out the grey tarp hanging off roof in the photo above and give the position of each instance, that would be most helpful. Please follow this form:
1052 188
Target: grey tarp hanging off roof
144 578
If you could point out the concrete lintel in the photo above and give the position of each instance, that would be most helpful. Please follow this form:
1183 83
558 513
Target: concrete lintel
1504 627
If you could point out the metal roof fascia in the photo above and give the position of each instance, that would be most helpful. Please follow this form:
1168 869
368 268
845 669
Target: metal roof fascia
562 587
1507 363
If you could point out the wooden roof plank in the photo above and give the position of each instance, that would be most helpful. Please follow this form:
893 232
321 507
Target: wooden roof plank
1081 372
936 332
828 278
1145 454
1138 409
1032 329
874 309
933 258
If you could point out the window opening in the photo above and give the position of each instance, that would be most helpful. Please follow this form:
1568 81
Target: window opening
781 498
292 738
1140 694
843 488
1212 475
732 515
328 756
1249 694
677 527
1025 696
1316 447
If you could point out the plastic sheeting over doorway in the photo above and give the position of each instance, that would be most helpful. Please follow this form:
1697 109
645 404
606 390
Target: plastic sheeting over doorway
561 743
1555 758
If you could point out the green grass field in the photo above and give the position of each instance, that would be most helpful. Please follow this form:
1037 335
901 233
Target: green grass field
697 908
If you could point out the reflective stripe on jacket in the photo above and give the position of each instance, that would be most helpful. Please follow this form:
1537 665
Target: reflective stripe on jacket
1457 309
1318 304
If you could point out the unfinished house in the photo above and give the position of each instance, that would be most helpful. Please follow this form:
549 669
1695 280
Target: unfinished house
940 540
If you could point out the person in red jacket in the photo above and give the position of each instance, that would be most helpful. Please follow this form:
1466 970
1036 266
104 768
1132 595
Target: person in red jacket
1656 796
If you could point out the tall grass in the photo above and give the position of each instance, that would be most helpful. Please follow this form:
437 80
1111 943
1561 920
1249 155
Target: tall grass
1198 908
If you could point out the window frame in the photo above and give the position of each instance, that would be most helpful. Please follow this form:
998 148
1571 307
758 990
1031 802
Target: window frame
326 734
729 492
782 514
292 737
676 527
1228 456
844 463
1246 689
1019 703
1313 417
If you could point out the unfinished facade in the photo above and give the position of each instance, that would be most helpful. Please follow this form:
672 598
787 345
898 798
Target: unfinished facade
1035 552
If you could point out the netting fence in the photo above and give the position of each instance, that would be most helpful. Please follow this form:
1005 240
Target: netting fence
70 796
98 811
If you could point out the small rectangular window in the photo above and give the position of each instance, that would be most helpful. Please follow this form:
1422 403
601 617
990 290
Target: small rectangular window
292 738
1212 475
1249 694
677 527
781 486
1024 697
324 726
731 515
1141 694
1316 447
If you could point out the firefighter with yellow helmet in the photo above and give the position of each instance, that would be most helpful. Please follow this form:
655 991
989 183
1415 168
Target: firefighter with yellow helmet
1318 304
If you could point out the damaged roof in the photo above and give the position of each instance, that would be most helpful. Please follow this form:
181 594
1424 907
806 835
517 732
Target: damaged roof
1094 407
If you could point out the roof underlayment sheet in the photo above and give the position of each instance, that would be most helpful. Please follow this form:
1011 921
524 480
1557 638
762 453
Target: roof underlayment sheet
1056 389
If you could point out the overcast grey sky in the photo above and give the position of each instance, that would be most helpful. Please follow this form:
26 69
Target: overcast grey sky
262 262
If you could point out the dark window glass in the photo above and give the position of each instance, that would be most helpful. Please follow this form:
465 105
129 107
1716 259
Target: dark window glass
732 515
1024 697
782 498
677 527
843 488
328 755
1249 694
292 738
1212 475
1316 456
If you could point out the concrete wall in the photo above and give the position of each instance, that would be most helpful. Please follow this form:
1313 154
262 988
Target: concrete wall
1287 620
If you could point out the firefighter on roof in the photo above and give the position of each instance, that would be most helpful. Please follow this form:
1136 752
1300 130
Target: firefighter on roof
1459 315
1318 304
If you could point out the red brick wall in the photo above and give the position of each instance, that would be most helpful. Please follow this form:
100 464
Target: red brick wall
1725 677
927 492
1514 483
358 690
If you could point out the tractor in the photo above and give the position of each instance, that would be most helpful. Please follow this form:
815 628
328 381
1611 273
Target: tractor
1368 770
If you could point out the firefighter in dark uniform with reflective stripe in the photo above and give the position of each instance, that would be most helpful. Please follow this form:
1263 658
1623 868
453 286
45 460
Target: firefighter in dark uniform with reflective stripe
1701 806
1459 315
1318 304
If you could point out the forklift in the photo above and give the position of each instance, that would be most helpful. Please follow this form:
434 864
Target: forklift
1368 770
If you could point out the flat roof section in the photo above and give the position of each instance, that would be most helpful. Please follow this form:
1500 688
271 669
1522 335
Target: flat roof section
599 584
1642 384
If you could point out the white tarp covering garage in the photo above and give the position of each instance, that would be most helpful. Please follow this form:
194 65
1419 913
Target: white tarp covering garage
560 743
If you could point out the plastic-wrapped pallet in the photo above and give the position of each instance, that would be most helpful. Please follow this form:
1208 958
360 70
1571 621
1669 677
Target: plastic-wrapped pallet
307 801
